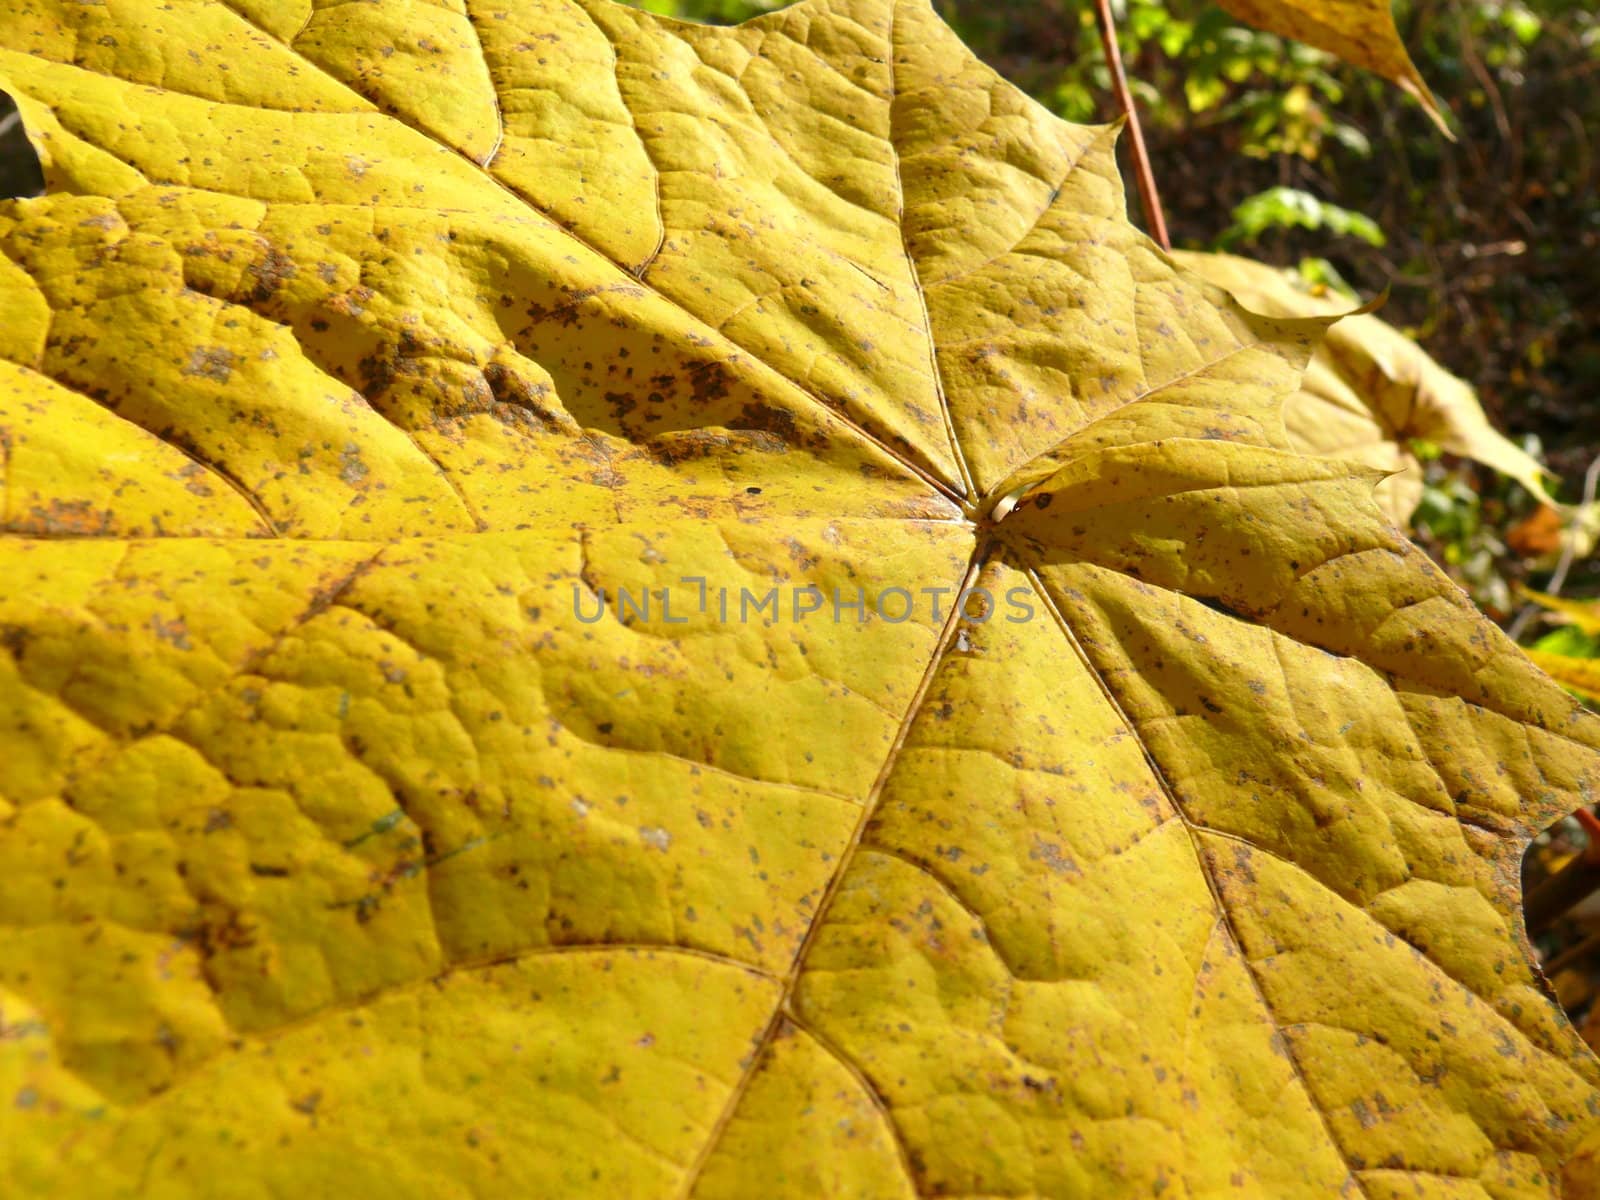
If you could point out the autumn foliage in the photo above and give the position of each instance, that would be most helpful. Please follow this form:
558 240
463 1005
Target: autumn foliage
356 349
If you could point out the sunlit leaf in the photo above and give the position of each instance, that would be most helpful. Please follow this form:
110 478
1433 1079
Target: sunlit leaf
1370 391
351 849
1361 32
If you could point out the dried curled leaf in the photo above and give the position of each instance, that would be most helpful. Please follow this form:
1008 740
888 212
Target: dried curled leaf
358 349
1370 391
1361 32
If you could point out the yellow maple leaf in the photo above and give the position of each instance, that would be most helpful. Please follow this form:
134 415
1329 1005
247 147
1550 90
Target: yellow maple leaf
1361 32
1370 391
359 839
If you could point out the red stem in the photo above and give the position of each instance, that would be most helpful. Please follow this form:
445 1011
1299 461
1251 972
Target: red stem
1591 827
1149 198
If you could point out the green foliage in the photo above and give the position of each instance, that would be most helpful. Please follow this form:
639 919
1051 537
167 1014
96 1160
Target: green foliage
1461 526
1291 208
714 12
1570 642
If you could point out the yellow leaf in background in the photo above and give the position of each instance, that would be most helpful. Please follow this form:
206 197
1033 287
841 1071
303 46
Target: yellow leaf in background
1585 614
1582 675
1370 390
1361 32
353 847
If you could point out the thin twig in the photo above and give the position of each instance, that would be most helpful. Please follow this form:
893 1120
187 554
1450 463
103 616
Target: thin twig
1148 196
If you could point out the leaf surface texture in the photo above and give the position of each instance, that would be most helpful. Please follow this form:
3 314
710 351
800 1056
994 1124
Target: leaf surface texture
358 347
